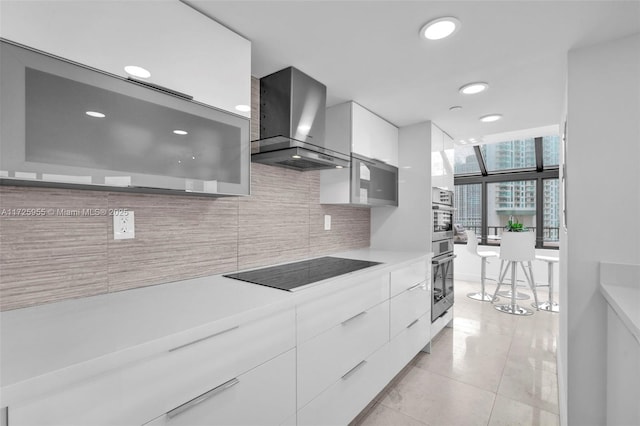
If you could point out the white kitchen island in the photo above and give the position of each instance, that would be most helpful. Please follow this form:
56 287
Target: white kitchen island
146 355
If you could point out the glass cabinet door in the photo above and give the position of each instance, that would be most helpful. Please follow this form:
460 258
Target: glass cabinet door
63 123
373 182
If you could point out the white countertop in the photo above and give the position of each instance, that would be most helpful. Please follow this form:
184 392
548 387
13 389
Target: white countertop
620 285
44 346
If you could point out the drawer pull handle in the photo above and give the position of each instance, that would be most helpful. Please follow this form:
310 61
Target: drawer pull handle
413 323
414 287
200 399
204 338
353 370
354 317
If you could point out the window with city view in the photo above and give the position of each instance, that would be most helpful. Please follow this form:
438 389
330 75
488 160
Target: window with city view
510 180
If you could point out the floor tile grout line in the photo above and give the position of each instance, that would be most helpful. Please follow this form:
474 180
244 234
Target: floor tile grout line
504 367
400 412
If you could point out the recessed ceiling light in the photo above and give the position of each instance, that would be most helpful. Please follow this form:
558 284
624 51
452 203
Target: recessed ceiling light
473 88
95 114
338 167
180 132
440 28
455 108
295 156
490 117
137 71
463 142
243 108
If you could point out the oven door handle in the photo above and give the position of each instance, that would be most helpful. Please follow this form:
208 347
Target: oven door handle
445 260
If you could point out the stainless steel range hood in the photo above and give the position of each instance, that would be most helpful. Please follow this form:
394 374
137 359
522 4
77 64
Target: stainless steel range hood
292 123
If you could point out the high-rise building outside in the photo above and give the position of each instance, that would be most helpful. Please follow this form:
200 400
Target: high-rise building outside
514 199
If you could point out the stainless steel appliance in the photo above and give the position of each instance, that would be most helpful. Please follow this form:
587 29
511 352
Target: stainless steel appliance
442 206
292 123
293 276
442 246
373 182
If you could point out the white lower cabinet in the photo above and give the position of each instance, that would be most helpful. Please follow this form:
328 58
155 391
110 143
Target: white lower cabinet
408 306
133 394
329 356
264 395
344 399
342 369
408 276
356 296
623 371
409 342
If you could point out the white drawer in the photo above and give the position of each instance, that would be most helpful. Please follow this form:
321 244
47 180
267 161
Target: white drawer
408 306
358 295
325 358
262 396
403 278
409 342
137 392
348 396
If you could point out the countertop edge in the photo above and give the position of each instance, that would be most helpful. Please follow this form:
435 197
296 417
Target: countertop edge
620 286
609 292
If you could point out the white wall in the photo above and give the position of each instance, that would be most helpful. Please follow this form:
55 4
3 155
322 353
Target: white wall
603 192
408 226
562 344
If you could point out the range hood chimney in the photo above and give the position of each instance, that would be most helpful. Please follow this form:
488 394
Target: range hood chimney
292 123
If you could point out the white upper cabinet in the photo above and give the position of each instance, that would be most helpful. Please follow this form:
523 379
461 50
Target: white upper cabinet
441 159
353 128
184 50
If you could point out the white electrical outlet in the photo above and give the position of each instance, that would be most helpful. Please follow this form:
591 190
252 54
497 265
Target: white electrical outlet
123 225
327 222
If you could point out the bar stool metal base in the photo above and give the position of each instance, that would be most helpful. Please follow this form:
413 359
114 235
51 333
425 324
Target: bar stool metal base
519 296
483 297
513 309
547 306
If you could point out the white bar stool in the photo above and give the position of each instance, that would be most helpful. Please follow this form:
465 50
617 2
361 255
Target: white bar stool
517 247
509 293
550 305
472 246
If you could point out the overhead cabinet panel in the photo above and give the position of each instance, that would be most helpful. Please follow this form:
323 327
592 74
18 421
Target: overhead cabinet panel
373 136
441 158
372 179
353 128
182 48
65 124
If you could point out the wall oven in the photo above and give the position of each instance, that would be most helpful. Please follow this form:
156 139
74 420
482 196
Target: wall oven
442 206
442 246
442 277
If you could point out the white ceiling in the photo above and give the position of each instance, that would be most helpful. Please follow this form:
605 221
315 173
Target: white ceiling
370 52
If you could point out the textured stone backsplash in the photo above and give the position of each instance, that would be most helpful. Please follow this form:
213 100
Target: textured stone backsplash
51 258
55 257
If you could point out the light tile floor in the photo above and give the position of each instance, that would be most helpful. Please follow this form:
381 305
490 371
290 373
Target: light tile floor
491 368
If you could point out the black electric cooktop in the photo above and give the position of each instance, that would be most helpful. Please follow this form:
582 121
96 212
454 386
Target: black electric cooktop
292 275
